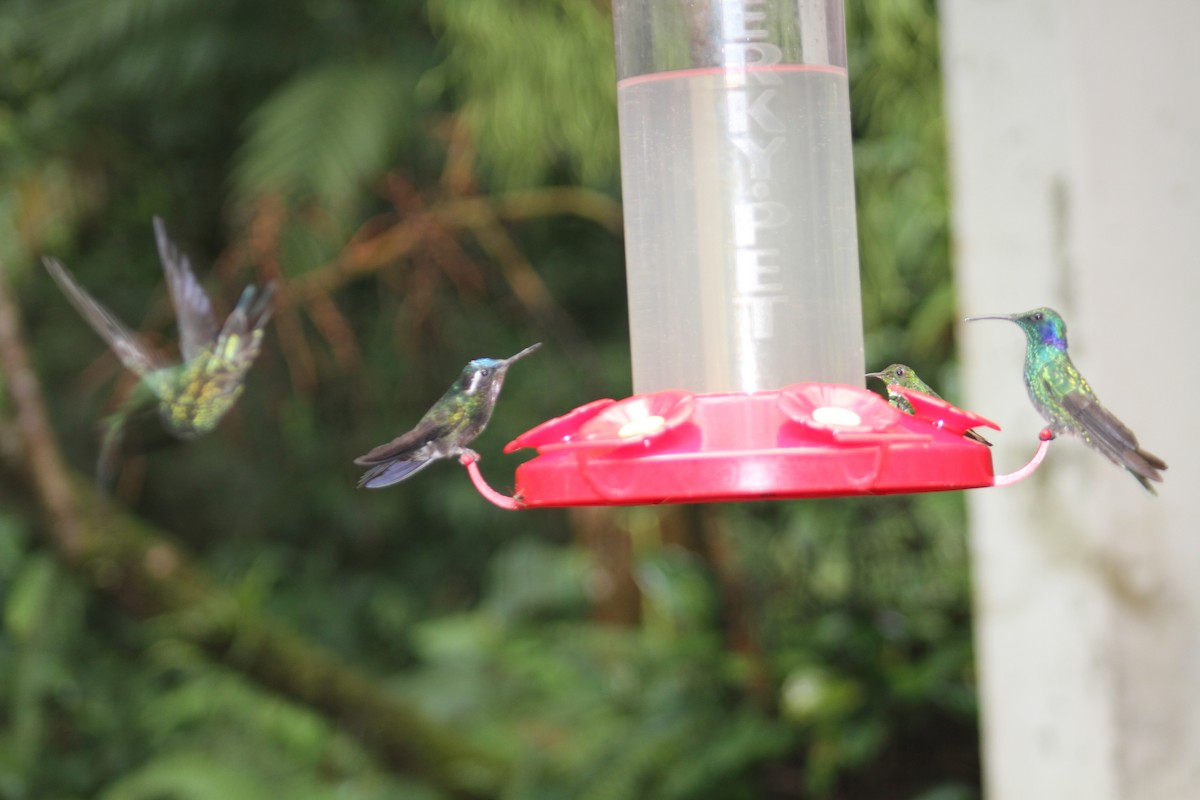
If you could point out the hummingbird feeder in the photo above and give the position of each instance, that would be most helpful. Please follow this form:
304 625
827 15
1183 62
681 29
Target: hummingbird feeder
744 300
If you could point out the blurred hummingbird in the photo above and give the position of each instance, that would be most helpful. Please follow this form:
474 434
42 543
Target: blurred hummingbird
1065 399
190 397
446 429
906 376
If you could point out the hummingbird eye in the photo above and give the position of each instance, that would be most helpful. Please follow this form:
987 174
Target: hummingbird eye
486 371
1038 317
900 372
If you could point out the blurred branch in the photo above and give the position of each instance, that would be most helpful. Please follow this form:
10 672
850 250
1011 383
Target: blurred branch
265 229
737 613
40 450
532 291
616 599
422 227
336 330
150 576
577 201
440 249
384 248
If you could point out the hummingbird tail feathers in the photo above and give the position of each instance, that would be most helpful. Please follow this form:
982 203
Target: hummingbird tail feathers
1145 467
977 437
1103 431
390 472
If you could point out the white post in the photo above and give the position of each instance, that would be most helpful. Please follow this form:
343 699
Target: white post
1074 129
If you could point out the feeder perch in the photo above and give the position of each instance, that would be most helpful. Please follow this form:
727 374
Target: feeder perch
807 440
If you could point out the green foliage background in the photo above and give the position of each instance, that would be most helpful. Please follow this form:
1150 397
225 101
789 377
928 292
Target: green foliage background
815 649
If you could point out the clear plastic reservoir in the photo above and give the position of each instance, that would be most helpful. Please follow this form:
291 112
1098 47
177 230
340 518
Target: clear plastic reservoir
738 186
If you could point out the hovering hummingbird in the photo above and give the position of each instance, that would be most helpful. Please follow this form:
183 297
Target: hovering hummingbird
906 376
1065 399
446 429
190 397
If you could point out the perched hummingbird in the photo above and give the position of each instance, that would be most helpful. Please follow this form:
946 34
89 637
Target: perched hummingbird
190 397
906 376
1065 399
446 429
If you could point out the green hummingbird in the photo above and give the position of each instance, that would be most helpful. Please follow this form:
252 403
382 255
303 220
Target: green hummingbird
1065 399
446 429
906 376
189 397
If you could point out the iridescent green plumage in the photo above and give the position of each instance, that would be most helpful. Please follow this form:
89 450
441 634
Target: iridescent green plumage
446 429
906 376
1064 398
191 397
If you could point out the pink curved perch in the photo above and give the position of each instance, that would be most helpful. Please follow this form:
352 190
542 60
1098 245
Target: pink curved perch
1024 472
504 501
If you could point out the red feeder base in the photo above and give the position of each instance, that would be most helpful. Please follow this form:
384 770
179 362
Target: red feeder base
806 440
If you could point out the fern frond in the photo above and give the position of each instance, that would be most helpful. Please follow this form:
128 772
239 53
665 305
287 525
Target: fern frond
190 776
327 131
74 32
536 84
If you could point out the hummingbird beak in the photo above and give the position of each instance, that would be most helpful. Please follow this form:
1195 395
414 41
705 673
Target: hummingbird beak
1006 317
875 375
509 361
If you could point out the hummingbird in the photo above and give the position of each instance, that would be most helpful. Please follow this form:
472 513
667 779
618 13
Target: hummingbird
906 376
189 397
1064 398
447 428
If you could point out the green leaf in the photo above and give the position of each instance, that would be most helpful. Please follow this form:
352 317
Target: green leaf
199 776
77 30
537 85
531 578
12 532
29 601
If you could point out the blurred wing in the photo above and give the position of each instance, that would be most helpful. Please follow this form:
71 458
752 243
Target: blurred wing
1111 436
132 354
193 310
407 446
